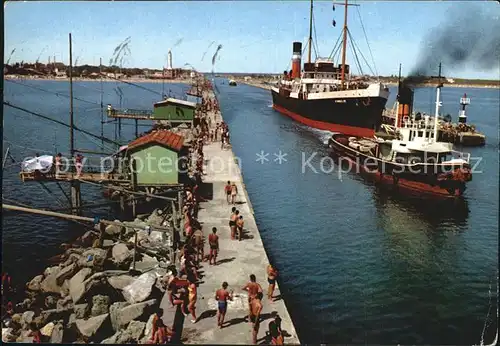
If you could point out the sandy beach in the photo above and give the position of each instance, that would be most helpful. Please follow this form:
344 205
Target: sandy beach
80 79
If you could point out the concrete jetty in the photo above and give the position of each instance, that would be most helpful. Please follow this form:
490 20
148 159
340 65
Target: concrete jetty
236 261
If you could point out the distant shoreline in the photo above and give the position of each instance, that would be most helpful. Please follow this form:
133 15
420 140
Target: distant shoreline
80 79
260 84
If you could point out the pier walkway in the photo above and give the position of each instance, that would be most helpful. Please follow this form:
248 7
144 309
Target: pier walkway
236 261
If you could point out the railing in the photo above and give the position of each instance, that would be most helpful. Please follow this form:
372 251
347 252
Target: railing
127 111
460 155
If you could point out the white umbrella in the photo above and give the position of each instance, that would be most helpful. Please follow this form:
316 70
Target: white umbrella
41 163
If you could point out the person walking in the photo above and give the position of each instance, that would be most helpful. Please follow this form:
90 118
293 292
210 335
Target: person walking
222 296
234 193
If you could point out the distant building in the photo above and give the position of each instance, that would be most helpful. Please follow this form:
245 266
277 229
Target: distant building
60 74
450 80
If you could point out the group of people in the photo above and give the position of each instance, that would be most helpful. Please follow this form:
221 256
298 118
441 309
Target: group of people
236 224
182 284
255 306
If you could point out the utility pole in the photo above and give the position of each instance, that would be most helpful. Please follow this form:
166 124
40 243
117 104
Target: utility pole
76 197
102 106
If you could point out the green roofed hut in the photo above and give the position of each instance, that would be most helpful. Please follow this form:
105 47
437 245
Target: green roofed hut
159 159
174 111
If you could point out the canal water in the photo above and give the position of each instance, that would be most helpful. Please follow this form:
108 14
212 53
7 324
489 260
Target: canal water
357 263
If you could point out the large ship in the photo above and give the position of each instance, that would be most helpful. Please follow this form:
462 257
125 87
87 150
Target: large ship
327 96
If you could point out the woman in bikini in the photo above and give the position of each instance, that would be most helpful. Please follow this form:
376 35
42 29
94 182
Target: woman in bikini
192 297
234 192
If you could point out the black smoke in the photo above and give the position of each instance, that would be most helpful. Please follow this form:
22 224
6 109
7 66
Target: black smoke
468 38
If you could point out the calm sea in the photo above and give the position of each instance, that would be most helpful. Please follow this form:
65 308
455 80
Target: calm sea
357 264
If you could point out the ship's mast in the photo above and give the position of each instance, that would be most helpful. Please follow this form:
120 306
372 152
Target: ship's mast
438 104
310 32
344 45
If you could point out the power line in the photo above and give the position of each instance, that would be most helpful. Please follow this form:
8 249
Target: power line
368 44
51 92
136 85
59 122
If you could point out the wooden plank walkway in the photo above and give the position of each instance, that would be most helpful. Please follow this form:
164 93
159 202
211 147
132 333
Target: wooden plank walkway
70 176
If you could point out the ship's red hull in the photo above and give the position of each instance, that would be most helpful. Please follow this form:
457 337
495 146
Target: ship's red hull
354 131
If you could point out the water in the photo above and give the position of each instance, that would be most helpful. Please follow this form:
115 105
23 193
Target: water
358 265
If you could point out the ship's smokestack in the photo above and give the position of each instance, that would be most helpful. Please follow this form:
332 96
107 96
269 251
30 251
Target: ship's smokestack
405 100
296 59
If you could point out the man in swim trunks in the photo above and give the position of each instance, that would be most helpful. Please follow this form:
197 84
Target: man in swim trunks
213 241
252 288
222 295
255 310
239 226
275 331
227 190
198 244
232 223
272 274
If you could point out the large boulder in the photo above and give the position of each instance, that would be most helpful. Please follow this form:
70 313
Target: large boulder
50 302
76 284
94 257
65 303
122 256
57 334
93 326
100 305
47 329
148 329
118 282
140 289
27 318
34 284
114 314
120 337
146 264
66 273
122 314
136 330
113 230
81 310
49 284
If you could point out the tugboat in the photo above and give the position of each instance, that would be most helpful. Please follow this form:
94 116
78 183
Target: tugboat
327 97
232 82
416 162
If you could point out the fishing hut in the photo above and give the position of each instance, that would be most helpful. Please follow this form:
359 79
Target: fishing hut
170 112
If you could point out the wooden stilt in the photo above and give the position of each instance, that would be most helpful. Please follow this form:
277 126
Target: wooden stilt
102 229
136 128
76 197
135 249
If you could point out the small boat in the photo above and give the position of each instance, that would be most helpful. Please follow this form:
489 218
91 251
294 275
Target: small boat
415 162
232 82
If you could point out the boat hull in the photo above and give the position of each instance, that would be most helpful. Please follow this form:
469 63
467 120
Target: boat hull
419 180
356 116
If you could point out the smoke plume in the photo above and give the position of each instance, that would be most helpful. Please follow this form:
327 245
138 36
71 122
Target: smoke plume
469 38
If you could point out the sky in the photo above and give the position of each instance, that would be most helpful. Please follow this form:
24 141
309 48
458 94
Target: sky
256 36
